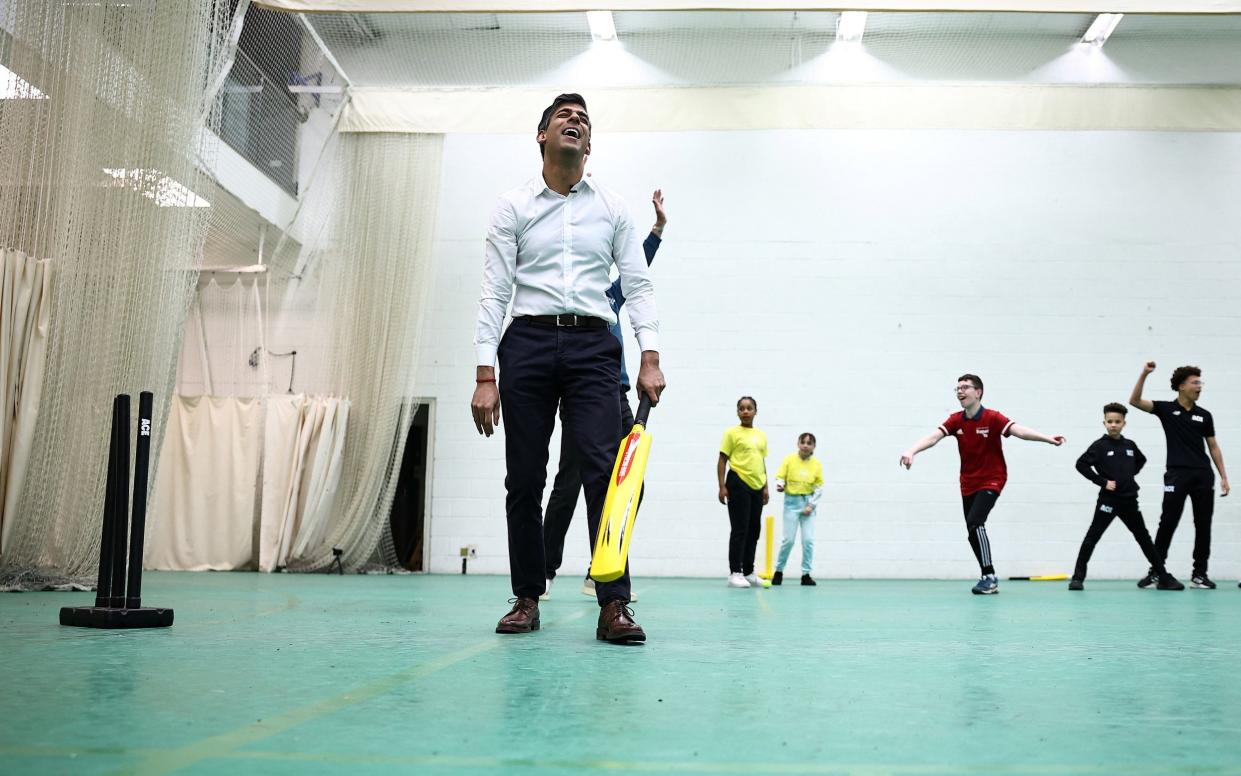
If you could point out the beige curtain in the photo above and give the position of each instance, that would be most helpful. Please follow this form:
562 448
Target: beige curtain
24 306
303 444
202 514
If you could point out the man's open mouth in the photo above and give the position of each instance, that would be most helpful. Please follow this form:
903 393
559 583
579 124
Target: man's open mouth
573 132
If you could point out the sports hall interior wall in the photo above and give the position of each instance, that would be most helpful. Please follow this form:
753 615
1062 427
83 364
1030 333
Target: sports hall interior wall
846 279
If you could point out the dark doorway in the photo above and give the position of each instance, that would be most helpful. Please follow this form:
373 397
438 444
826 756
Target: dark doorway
408 515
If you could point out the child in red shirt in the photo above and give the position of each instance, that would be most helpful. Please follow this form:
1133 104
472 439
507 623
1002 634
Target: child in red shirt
979 432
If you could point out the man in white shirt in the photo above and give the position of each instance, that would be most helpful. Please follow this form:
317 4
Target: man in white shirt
550 246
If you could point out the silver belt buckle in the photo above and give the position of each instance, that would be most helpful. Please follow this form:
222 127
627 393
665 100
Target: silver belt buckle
566 319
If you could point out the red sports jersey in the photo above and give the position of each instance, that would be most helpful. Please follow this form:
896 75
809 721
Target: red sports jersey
982 455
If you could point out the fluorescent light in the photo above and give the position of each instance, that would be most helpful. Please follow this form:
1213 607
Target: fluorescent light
154 185
14 87
602 26
850 26
1101 28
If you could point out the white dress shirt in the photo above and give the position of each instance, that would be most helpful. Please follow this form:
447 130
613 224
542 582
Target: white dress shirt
552 254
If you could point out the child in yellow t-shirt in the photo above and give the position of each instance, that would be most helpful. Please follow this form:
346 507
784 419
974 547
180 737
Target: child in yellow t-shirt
744 451
800 479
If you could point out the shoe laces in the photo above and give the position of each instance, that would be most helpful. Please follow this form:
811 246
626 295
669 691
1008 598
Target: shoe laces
622 607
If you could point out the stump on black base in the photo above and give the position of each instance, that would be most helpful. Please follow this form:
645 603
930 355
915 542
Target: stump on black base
113 608
107 617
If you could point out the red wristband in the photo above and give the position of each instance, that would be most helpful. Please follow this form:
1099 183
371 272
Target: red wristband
484 379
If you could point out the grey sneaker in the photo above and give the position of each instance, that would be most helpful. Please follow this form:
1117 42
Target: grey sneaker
588 587
988 585
1202 582
547 591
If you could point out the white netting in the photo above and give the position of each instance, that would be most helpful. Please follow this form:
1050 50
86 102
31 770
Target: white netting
103 104
367 272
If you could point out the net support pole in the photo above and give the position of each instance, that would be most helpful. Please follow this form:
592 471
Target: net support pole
120 517
103 587
137 528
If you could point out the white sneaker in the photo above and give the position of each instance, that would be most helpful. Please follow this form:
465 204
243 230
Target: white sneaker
588 587
547 591
755 581
736 580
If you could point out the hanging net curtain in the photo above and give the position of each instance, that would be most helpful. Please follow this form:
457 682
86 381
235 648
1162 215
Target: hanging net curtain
100 142
359 281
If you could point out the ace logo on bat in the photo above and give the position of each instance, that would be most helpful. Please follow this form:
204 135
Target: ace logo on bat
627 457
620 507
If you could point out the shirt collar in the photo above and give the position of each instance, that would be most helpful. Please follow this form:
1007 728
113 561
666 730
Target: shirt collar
981 410
539 186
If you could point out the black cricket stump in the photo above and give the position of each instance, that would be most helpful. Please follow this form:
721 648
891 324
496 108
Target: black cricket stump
116 607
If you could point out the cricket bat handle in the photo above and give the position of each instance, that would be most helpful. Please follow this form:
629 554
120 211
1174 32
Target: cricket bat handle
644 411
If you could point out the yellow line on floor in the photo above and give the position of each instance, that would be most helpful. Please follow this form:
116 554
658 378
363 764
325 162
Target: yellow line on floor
657 766
224 744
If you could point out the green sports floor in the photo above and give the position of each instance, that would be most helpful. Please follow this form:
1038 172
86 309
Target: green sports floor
293 674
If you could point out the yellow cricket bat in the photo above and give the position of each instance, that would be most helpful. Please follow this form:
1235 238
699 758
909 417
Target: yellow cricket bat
1042 578
620 508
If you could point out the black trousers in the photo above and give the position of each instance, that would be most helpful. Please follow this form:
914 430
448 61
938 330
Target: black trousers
745 515
977 508
1129 514
543 367
1198 485
565 489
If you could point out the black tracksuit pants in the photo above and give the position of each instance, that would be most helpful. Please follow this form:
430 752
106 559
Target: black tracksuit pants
1198 485
566 488
745 514
1129 514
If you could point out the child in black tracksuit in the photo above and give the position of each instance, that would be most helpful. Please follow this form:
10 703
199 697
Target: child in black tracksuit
1112 463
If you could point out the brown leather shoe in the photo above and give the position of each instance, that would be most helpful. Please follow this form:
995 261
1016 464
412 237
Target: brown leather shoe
522 618
617 626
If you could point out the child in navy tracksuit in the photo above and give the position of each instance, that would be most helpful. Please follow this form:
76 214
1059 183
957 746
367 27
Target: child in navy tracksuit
1112 463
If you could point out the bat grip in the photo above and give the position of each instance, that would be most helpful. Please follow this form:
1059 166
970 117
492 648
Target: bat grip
644 411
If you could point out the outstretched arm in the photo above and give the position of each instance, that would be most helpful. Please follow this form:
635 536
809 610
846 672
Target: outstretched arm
926 442
1030 435
1217 455
1135 398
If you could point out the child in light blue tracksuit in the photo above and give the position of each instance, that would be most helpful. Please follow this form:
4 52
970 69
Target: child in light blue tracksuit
800 479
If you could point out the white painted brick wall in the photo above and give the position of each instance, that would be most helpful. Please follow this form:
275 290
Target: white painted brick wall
845 279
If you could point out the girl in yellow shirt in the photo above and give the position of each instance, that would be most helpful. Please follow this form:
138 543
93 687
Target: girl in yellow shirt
744 452
800 479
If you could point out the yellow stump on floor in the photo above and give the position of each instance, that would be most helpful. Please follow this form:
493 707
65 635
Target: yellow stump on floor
769 529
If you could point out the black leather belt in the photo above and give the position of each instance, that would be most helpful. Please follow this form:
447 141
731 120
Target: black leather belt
571 320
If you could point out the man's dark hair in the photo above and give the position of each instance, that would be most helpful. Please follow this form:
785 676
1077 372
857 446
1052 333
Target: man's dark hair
747 398
975 380
561 99
1114 406
807 435
1183 373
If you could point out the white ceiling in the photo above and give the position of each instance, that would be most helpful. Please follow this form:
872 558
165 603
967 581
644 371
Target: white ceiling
750 47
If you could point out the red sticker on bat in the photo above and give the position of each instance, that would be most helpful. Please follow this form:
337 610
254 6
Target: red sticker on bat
627 456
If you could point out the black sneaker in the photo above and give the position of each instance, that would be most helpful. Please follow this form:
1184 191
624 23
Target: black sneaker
1148 580
777 578
807 581
1169 582
1202 581
1076 584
